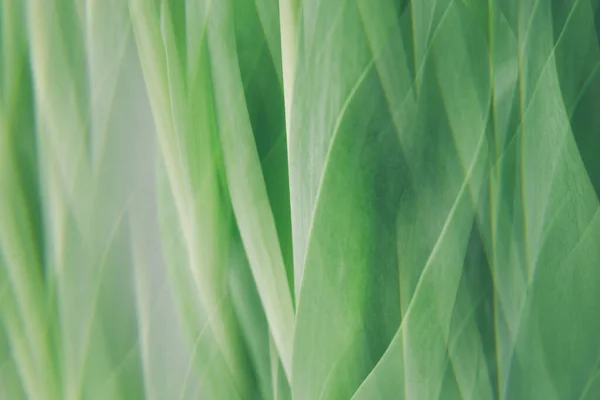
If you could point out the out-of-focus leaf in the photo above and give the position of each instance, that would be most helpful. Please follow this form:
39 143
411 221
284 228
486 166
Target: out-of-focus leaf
25 311
62 253
195 215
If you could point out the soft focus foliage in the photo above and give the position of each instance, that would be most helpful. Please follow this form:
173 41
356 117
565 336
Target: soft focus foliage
300 199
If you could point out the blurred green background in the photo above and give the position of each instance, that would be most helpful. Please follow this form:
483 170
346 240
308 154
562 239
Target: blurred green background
299 199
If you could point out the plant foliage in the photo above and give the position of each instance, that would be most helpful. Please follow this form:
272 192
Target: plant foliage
300 199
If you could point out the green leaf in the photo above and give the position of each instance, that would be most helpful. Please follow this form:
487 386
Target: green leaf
541 340
247 188
195 215
347 179
447 160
